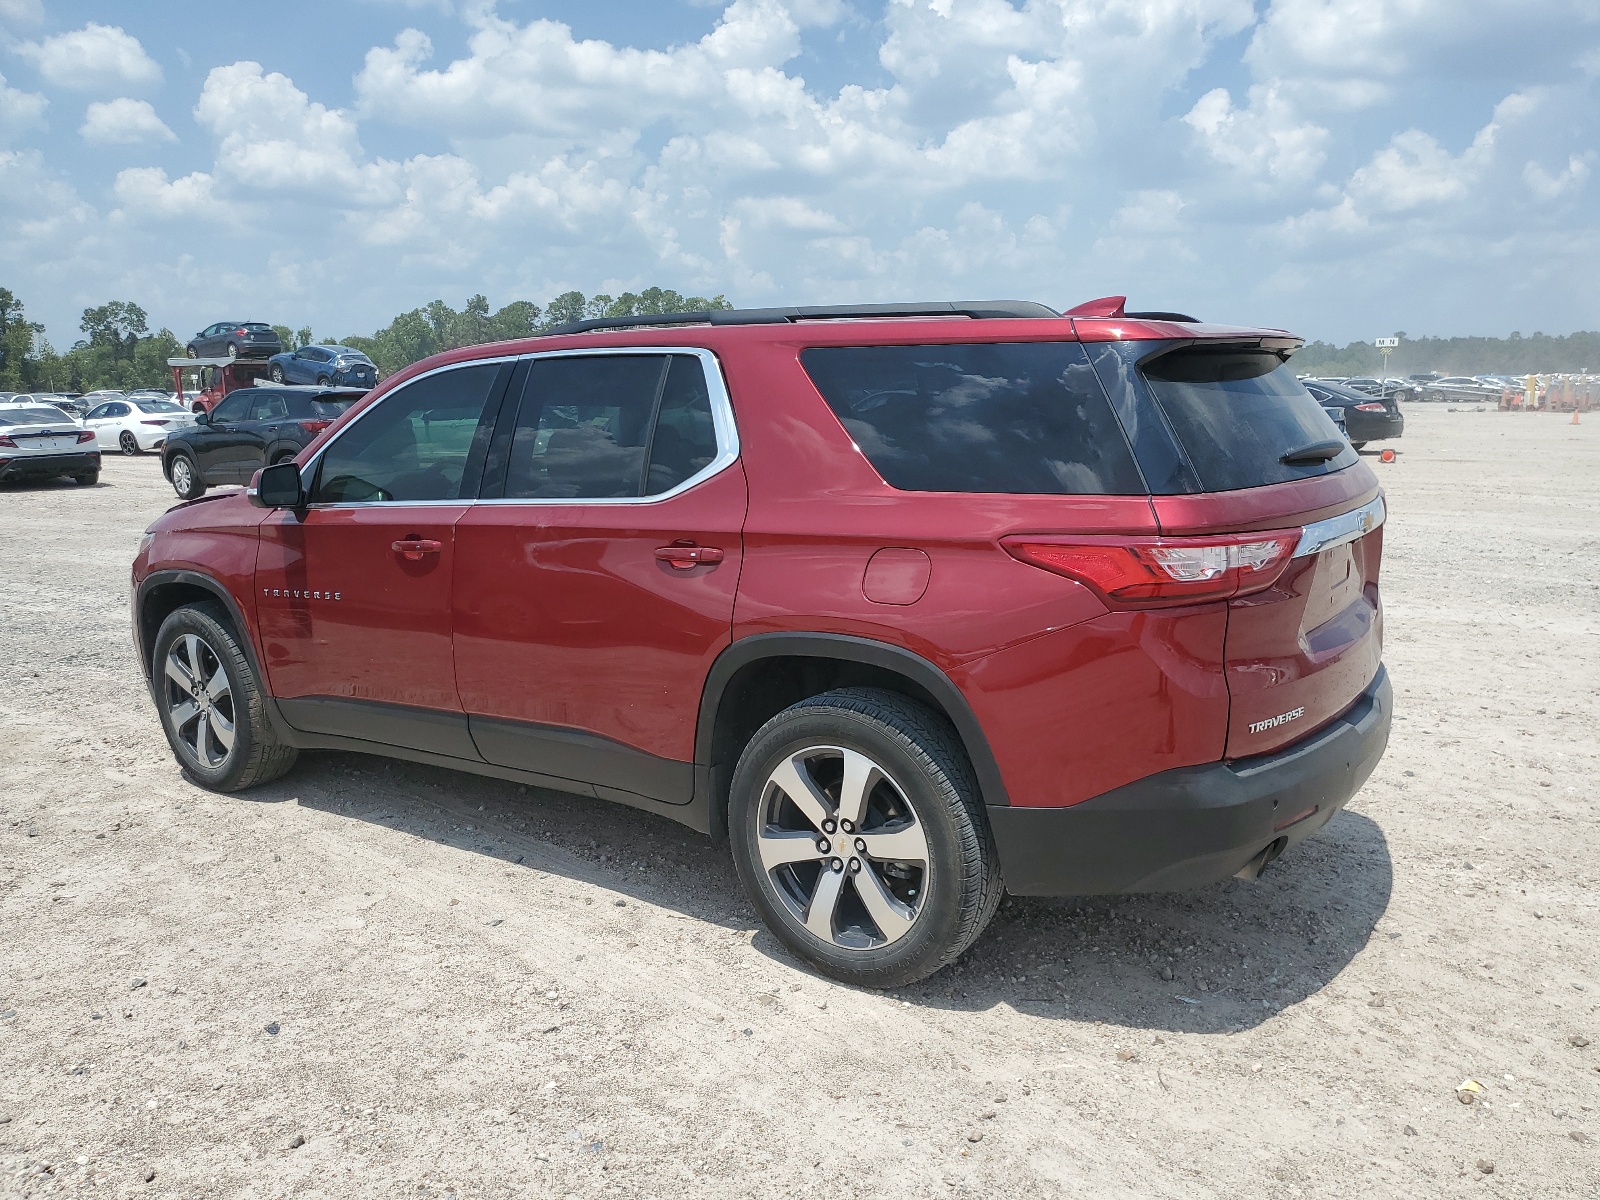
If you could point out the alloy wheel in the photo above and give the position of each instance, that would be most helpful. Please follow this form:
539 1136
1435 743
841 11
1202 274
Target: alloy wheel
129 443
843 847
199 700
182 475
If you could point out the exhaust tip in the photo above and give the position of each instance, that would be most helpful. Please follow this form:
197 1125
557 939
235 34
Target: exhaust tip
1258 864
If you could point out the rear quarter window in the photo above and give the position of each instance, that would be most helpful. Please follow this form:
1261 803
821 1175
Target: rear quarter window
1020 417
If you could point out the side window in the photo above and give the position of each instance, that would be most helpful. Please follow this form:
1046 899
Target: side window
268 406
423 442
583 426
232 408
98 413
115 409
685 441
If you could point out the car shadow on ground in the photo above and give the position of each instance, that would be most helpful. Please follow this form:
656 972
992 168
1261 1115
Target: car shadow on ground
1226 957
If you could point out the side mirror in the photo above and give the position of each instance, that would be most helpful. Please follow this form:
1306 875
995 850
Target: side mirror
202 418
278 487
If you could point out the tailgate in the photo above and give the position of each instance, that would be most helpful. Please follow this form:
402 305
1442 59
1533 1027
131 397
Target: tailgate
1301 652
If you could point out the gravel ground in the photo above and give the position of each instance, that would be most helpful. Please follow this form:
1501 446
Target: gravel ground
374 978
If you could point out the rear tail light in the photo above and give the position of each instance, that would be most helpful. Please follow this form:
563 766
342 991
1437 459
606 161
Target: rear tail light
5 441
1371 408
241 333
86 435
314 426
1151 572
152 422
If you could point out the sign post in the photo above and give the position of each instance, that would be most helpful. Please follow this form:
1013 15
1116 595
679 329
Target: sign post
1386 347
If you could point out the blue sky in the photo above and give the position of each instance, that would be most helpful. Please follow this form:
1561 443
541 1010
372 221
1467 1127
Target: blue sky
1342 168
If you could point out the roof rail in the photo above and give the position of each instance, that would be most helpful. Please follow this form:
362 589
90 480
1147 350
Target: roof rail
977 310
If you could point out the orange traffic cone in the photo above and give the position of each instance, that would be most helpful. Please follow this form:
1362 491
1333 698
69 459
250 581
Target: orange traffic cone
1574 416
1388 456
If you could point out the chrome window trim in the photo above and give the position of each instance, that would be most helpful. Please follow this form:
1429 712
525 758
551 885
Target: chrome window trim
1340 530
722 421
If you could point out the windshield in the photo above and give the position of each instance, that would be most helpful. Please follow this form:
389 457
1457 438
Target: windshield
159 406
33 416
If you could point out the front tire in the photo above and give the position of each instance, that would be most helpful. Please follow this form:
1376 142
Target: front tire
276 373
859 834
192 350
186 479
233 351
212 705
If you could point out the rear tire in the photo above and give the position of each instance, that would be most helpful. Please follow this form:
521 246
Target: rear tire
128 443
324 381
185 476
1357 445
87 478
908 881
212 706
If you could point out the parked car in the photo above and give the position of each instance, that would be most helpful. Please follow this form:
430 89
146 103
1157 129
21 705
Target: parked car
1363 418
235 339
136 424
1458 388
38 441
326 366
51 399
249 429
915 611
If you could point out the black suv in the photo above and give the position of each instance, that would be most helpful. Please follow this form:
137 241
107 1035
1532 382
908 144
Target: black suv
251 428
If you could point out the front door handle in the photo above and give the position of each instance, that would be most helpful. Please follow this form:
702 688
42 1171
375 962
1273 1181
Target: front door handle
414 548
686 558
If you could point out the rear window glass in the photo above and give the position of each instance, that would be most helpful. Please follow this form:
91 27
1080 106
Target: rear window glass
1024 417
1236 413
328 408
33 416
158 406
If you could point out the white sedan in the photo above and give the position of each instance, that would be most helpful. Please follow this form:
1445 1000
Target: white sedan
39 441
136 423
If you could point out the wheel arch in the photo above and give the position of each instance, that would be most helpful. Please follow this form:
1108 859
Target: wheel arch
161 593
758 676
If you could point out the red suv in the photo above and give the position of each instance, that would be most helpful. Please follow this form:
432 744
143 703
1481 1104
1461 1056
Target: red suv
913 604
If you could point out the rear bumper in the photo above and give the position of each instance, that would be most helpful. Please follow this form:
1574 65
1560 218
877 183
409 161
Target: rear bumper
1373 427
1193 826
48 466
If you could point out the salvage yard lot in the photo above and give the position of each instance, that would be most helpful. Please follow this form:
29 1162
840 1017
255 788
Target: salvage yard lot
374 978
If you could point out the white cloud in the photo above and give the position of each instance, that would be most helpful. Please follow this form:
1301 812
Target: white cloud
1548 185
146 191
1263 139
273 136
19 112
94 58
124 122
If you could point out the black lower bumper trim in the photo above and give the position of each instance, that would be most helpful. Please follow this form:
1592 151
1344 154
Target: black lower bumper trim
48 466
1192 826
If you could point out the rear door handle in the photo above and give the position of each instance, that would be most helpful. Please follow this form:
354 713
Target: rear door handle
686 558
414 548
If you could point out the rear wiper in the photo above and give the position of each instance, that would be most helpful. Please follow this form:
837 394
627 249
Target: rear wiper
1314 453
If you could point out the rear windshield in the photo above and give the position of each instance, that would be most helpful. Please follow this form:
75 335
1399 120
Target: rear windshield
257 326
329 408
33 416
1237 413
1010 417
159 406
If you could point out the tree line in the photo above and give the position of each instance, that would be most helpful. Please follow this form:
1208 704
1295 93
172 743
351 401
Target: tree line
119 351
1536 354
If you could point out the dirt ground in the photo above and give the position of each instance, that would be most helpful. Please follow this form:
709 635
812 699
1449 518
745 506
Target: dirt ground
376 979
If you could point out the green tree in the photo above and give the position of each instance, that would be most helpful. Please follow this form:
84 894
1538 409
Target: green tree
18 366
116 326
